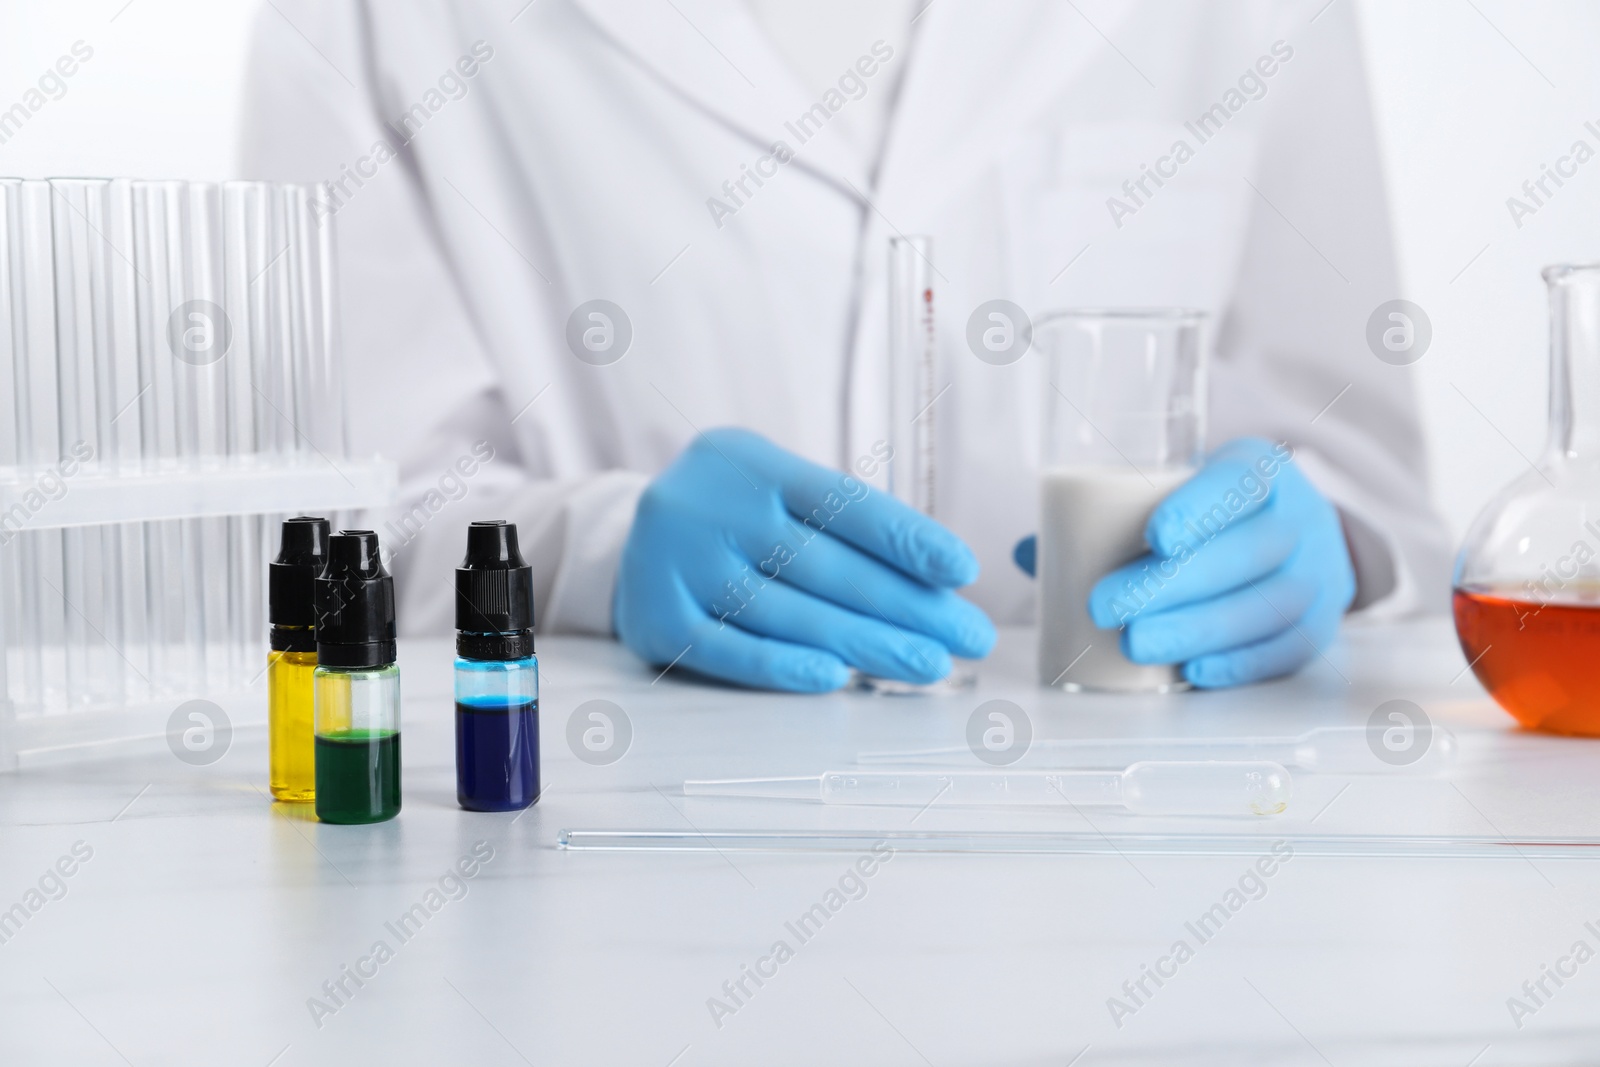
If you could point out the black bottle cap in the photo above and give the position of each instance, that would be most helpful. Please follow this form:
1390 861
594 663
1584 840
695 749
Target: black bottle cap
494 595
355 604
291 583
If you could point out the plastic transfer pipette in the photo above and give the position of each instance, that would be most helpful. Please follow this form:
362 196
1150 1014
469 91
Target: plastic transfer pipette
1324 750
1146 788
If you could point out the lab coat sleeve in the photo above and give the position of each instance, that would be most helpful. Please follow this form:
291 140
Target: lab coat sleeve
570 531
421 388
1293 361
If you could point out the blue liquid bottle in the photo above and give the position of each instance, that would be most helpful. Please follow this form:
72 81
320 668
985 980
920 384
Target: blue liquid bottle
497 674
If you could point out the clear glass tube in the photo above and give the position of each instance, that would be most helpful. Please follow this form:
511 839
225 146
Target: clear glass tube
177 238
36 613
1148 787
1124 425
913 374
81 213
1396 846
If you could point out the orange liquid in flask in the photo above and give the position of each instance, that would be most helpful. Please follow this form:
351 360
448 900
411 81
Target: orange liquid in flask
1541 662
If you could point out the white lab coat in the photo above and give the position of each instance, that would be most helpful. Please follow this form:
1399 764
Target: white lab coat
581 159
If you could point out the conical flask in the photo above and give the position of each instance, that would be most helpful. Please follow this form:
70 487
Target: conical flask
1527 581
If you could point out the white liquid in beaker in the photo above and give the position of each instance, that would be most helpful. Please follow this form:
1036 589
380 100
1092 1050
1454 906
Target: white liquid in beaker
1091 521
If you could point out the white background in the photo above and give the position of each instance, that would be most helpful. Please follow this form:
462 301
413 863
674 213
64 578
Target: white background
1472 97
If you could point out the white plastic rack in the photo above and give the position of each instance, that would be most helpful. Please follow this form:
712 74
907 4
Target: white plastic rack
169 390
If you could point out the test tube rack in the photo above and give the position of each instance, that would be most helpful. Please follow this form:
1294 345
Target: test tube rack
170 373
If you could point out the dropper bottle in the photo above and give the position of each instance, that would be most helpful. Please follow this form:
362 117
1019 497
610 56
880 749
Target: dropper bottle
497 674
357 685
291 581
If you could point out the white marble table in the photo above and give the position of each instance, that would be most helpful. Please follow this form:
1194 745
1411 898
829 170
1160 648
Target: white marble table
204 920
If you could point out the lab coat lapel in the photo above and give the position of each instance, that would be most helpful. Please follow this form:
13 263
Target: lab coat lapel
713 53
979 73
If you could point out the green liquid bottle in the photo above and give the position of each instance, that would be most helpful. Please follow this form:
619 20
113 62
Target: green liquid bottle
356 685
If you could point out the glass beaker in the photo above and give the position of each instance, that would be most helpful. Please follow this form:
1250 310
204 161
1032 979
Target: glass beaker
1527 582
1124 425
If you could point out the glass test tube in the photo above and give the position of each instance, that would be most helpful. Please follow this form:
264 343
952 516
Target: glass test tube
28 337
177 249
80 219
253 256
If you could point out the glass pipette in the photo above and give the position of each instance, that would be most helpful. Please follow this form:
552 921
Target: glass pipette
1149 787
1438 846
1324 750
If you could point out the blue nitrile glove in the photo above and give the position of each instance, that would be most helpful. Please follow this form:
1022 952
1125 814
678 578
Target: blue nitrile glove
1248 576
750 564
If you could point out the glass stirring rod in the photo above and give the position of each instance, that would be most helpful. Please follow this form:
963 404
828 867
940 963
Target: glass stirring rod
1149 787
1325 750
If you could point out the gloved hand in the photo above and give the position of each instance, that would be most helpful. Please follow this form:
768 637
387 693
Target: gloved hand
1248 577
750 564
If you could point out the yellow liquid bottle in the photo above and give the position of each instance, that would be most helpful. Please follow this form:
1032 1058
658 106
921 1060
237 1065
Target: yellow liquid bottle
291 727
